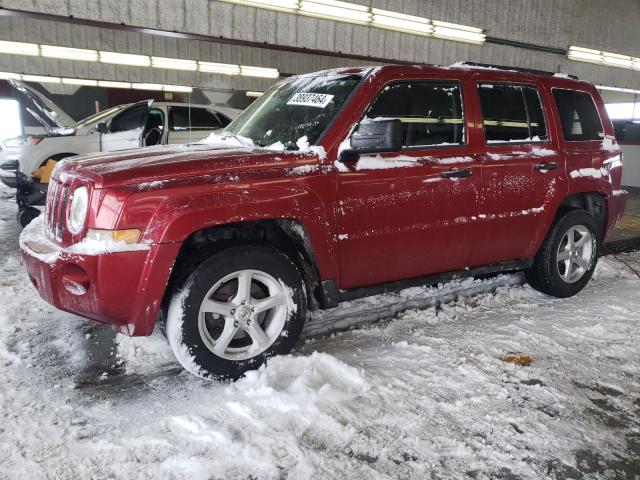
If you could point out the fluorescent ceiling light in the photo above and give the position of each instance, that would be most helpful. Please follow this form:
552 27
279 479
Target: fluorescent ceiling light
9 76
125 59
340 11
109 84
616 60
600 57
177 88
259 72
282 5
146 86
336 10
223 68
40 79
617 89
461 33
401 22
53 51
174 63
585 55
80 81
250 93
19 48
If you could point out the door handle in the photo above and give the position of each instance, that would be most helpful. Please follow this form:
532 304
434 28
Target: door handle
459 173
545 166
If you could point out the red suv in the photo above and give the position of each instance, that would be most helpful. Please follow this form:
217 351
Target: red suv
332 186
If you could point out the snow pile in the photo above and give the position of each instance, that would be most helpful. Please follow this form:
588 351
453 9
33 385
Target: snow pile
610 145
416 389
34 236
101 247
589 172
378 162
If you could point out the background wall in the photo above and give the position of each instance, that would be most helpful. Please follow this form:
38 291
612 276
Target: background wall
613 25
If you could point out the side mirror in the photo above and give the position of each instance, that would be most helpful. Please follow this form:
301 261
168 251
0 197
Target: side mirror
374 136
102 128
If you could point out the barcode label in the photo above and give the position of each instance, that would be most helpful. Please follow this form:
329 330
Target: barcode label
319 100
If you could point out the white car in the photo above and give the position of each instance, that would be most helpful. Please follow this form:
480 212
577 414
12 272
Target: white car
133 125
10 150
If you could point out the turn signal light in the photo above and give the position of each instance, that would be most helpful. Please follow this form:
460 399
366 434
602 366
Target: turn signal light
131 235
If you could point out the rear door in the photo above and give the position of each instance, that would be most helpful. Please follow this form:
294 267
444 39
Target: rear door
521 165
188 124
127 128
410 213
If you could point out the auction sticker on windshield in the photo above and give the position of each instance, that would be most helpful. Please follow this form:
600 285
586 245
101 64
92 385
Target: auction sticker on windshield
307 99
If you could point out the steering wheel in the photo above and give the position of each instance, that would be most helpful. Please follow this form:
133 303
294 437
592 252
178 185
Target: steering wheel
149 137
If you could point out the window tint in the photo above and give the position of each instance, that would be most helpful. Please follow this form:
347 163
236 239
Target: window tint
201 119
129 119
430 112
511 113
578 115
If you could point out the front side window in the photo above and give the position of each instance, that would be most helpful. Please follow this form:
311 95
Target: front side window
130 119
295 112
186 118
511 113
578 115
430 111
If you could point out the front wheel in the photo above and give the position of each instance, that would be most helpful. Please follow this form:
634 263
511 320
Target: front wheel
568 256
238 308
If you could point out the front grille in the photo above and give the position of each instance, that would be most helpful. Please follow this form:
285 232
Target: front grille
56 208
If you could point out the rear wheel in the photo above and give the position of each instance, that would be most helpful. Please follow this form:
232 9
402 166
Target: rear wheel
568 256
238 308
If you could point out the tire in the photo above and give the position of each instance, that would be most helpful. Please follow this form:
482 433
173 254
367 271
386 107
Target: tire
560 269
214 327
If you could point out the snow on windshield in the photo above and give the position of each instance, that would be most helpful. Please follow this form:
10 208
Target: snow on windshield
297 108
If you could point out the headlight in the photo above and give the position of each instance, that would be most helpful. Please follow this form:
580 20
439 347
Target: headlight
78 210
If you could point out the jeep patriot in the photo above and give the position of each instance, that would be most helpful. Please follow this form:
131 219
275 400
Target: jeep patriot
331 186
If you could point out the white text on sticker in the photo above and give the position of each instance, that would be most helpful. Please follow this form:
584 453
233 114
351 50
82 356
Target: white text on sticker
319 100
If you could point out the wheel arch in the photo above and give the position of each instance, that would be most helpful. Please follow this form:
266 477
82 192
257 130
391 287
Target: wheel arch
287 235
595 203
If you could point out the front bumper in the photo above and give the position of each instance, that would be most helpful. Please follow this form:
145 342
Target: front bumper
123 289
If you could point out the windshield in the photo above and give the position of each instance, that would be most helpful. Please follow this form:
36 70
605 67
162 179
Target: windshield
294 109
99 116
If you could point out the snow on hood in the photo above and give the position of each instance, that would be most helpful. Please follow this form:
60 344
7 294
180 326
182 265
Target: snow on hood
161 163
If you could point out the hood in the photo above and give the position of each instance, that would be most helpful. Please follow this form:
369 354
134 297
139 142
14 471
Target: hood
44 110
157 164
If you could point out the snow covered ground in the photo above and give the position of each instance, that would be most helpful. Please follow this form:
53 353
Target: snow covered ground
419 393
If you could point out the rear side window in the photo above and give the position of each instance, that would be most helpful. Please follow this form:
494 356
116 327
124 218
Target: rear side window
430 112
578 115
511 113
198 119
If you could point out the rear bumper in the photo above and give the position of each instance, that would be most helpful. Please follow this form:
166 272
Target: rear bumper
616 204
123 289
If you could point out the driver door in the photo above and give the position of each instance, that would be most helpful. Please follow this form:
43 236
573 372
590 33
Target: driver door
410 213
126 129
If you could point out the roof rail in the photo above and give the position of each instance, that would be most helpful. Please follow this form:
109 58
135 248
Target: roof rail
515 69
